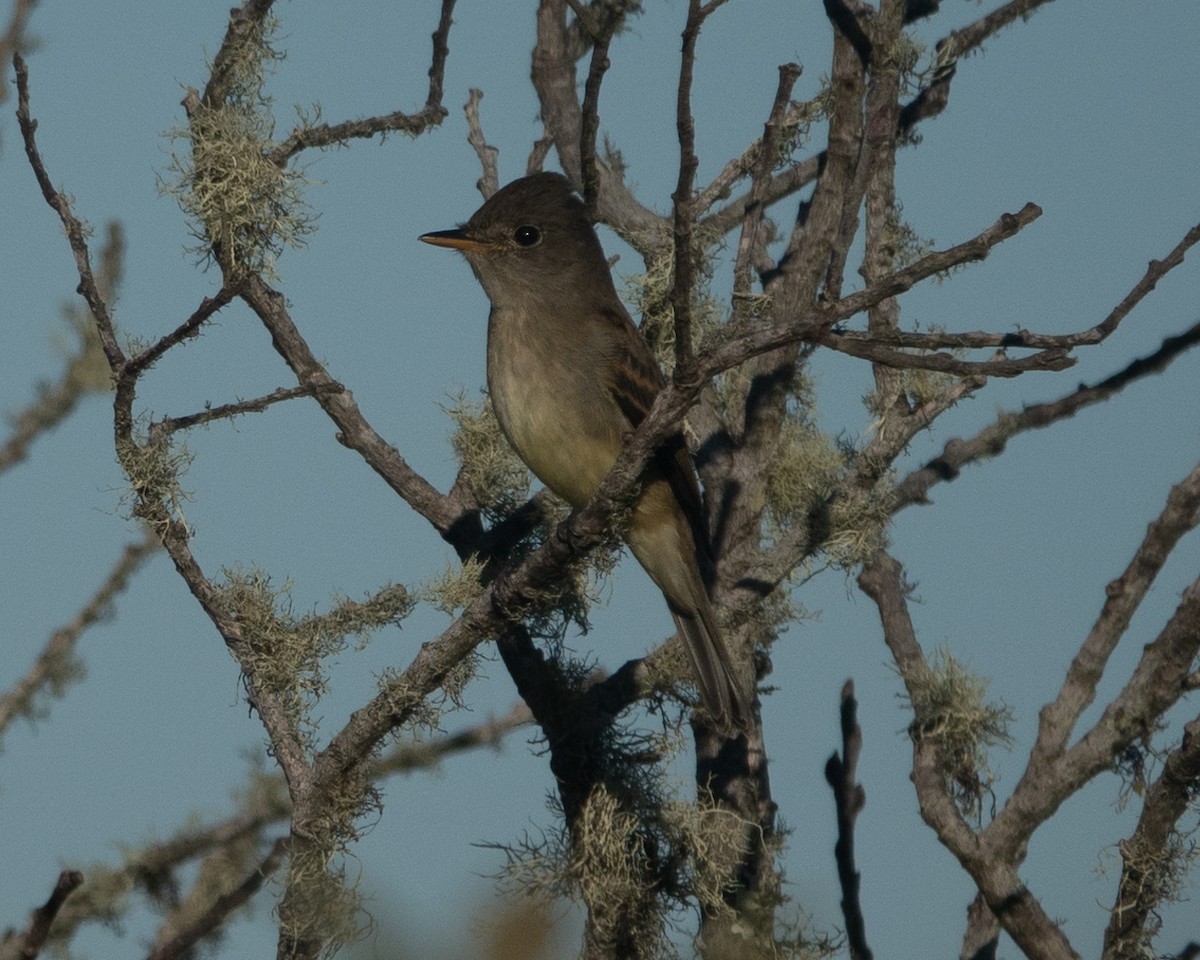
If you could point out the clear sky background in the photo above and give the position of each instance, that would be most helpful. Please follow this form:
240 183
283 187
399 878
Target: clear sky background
1089 110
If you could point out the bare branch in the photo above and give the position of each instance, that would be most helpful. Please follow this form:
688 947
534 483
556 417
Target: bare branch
982 936
75 229
996 875
972 36
1123 595
1148 864
849 800
765 150
683 202
601 23
558 47
28 944
489 183
52 669
337 402
189 329
992 440
215 916
1025 338
1053 771
816 322
999 365
169 425
414 124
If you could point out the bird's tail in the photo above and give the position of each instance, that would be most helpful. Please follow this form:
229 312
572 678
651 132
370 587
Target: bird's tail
721 694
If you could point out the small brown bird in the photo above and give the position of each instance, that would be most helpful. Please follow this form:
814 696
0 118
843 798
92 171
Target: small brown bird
570 377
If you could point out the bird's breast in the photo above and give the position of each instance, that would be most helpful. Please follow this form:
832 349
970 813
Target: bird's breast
553 407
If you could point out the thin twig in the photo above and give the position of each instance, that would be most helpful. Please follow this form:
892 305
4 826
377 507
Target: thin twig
1025 338
169 425
812 323
75 230
1146 855
189 329
589 126
489 182
991 441
223 906
760 175
28 944
52 667
849 800
683 202
339 404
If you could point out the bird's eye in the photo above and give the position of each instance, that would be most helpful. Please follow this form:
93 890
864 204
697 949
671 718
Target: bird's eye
527 236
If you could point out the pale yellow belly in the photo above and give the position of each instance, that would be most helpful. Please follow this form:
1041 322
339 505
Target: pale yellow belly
568 444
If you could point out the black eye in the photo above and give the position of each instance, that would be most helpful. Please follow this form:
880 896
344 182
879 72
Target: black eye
527 236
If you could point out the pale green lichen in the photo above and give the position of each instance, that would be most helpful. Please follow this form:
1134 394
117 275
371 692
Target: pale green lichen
245 207
952 714
494 474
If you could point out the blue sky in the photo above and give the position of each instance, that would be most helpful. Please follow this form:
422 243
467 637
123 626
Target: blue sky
1088 110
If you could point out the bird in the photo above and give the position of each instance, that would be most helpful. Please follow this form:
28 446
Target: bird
570 376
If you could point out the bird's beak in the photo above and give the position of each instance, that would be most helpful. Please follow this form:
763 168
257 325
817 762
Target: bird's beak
454 239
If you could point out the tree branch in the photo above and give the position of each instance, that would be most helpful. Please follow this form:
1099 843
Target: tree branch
1037 790
993 871
414 124
53 667
227 411
182 942
75 230
339 405
992 440
489 182
849 800
815 322
1148 860
28 944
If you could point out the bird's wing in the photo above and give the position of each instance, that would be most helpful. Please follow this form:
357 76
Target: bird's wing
634 378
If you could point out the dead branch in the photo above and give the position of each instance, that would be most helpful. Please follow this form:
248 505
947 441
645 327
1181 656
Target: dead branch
991 441
1147 860
28 944
413 124
227 411
849 800
52 668
223 906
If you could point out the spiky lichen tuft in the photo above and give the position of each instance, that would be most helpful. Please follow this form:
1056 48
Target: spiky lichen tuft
950 713
155 466
650 295
455 588
495 475
805 486
244 207
858 523
321 905
803 473
1156 875
285 653
613 867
